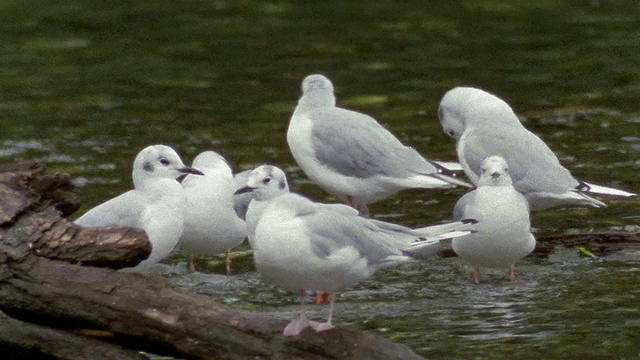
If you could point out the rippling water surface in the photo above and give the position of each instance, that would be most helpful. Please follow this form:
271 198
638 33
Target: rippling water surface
86 85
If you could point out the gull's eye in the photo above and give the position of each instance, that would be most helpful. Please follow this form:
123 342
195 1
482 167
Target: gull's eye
451 133
266 180
165 161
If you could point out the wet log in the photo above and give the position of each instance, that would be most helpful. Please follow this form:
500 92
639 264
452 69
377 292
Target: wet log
32 209
54 305
599 244
23 340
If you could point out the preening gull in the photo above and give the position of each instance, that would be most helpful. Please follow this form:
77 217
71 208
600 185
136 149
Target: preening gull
484 125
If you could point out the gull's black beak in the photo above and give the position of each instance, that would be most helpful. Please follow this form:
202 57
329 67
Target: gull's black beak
190 170
495 175
242 190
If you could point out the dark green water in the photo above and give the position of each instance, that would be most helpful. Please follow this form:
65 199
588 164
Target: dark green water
86 84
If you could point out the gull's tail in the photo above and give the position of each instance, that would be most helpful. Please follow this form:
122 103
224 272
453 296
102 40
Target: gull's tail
441 230
580 197
423 242
448 167
451 180
447 172
603 190
440 234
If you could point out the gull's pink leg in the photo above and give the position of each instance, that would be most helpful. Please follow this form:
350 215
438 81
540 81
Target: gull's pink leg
192 264
476 274
363 210
227 262
349 201
296 326
328 325
322 297
512 273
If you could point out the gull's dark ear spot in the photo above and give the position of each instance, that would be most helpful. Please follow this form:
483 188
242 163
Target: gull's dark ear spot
282 185
148 166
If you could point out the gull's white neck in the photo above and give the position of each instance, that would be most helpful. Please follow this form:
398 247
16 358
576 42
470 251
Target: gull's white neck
315 99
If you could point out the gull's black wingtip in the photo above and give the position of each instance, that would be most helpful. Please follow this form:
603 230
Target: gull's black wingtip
441 169
469 221
583 186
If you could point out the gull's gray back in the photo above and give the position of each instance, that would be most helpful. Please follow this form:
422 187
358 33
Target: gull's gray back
532 165
355 144
122 210
333 226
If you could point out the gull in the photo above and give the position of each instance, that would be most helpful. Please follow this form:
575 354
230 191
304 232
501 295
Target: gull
261 185
484 125
350 155
211 225
299 244
271 182
155 204
267 182
503 233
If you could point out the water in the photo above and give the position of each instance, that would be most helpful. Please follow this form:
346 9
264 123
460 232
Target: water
86 85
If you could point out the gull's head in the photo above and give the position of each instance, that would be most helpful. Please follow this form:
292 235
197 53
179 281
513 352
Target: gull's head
210 162
159 162
266 182
317 91
316 82
462 107
494 171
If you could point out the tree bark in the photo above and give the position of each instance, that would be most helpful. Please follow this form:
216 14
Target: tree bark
51 302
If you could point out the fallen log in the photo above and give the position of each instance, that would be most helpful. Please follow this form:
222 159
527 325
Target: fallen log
23 340
52 303
599 244
32 206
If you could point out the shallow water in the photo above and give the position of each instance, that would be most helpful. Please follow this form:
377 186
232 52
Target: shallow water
86 85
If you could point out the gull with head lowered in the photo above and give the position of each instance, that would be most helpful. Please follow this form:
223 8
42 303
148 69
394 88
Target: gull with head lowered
484 125
299 244
350 155
155 204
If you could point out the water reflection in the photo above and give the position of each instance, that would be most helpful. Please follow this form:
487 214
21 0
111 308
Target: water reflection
11 148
